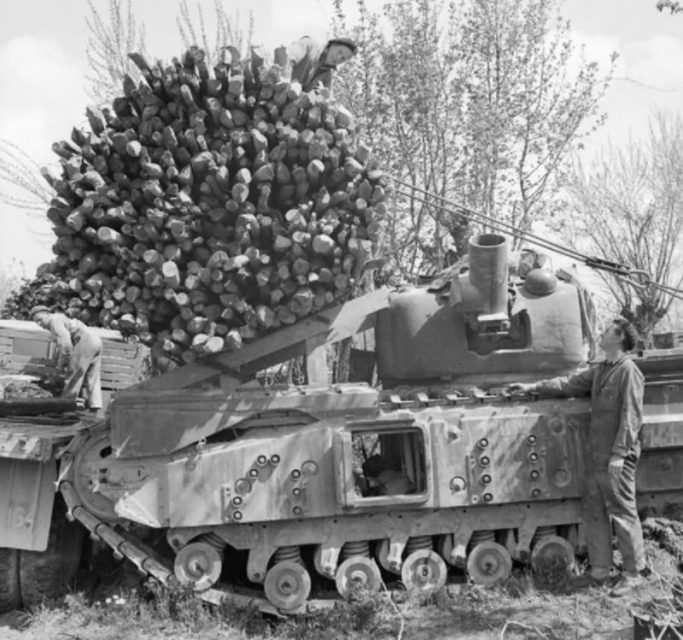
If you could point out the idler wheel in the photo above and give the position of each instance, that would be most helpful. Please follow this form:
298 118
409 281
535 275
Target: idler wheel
287 585
424 570
198 564
358 574
89 464
489 563
552 561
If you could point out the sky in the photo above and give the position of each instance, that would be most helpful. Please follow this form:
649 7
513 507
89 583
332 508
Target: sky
43 72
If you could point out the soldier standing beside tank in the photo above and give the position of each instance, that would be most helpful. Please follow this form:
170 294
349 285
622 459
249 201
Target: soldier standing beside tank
613 448
79 355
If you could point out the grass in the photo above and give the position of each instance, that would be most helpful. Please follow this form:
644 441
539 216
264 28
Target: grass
125 607
134 615
515 610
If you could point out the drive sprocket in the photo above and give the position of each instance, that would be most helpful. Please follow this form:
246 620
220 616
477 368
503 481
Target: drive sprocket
88 471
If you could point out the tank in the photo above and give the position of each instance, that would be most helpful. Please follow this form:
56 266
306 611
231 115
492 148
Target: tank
287 497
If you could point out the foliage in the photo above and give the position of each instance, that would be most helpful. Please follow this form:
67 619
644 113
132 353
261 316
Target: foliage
405 105
25 293
478 101
669 5
114 36
513 610
110 41
229 32
9 280
22 186
628 207
18 170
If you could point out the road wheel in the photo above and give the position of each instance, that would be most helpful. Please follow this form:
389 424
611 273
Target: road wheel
45 575
10 594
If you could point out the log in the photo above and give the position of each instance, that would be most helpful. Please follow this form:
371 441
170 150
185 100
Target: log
171 274
207 207
36 406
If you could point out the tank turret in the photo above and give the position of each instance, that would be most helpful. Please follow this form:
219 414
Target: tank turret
483 327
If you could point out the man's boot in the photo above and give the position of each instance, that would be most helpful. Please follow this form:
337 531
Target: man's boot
588 579
629 581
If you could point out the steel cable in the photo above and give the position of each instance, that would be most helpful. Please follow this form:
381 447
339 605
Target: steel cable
621 271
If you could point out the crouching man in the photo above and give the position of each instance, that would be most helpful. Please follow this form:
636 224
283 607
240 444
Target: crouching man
613 448
79 355
313 64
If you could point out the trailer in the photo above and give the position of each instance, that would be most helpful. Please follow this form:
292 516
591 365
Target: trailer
40 549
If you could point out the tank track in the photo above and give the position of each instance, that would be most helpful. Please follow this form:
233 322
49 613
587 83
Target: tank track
147 561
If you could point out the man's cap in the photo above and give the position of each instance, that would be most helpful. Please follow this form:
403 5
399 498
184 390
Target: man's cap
347 42
41 308
628 331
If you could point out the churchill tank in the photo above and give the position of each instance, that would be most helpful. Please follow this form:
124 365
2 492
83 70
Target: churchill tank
421 470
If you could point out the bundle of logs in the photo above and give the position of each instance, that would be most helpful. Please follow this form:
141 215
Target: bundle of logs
207 207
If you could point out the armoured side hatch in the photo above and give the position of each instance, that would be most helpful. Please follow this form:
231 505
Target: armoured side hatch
383 463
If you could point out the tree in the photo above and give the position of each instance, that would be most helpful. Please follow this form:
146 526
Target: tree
628 207
229 32
530 100
405 105
11 276
480 102
109 43
21 183
670 5
113 37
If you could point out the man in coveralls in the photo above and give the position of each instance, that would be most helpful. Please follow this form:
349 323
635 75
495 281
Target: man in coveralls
313 64
613 449
79 355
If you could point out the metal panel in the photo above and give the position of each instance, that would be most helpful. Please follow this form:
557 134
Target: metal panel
26 503
662 432
26 440
508 453
660 471
19 446
160 422
203 487
419 337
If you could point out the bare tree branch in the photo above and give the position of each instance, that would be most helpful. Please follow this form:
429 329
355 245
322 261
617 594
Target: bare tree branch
229 30
21 182
629 208
110 40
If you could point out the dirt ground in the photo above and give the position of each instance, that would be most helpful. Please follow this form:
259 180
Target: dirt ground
112 602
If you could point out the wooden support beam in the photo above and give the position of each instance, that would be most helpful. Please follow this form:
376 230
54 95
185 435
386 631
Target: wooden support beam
316 364
326 327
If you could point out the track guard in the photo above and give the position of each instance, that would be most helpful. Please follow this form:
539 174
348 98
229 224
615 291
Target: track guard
26 503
